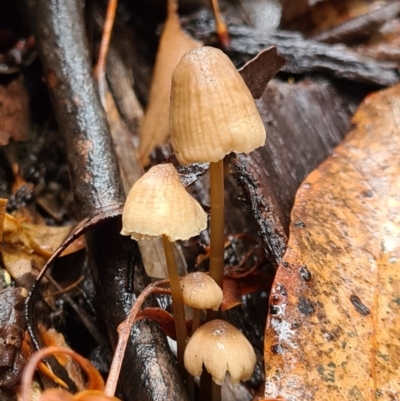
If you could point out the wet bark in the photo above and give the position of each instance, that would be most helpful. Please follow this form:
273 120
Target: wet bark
149 372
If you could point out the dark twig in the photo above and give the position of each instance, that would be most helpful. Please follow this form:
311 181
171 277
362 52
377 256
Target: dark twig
114 260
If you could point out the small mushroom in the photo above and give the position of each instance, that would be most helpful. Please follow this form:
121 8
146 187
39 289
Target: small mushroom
212 114
222 348
158 205
200 291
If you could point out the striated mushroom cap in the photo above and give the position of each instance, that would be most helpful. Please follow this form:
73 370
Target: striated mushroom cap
222 348
200 291
212 111
158 204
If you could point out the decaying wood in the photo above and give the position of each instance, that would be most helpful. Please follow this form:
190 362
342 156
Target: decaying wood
114 260
304 122
303 56
12 328
361 27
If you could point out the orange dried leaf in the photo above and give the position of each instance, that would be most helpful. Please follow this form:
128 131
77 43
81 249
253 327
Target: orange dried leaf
174 43
95 383
50 238
25 245
63 395
93 395
332 331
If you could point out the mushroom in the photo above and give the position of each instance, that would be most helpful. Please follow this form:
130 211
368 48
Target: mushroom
174 43
158 205
222 348
212 114
199 292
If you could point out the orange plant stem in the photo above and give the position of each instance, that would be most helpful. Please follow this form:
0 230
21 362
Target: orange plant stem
217 220
100 68
124 333
222 30
177 304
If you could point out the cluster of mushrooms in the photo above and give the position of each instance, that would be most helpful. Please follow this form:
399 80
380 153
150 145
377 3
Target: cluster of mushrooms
212 114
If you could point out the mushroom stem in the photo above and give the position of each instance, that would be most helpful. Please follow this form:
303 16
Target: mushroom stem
190 378
217 221
177 304
216 251
196 319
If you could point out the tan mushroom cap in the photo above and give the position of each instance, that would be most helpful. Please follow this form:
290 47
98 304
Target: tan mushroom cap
212 111
222 348
200 291
158 204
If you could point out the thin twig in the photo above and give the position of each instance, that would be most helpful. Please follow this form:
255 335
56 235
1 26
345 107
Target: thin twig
124 333
65 289
99 70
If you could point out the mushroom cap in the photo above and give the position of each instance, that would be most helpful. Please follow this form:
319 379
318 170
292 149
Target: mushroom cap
222 348
158 204
212 111
200 291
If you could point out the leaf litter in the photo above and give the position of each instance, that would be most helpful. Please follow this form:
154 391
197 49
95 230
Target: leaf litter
332 330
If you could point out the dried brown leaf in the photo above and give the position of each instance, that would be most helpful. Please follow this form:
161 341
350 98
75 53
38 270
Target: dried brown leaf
335 309
174 43
28 245
261 69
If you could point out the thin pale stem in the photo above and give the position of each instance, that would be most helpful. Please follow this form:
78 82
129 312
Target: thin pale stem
124 334
196 319
216 255
190 379
177 304
217 221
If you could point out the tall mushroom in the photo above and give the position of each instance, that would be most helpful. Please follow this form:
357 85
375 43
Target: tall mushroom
158 205
174 43
212 114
